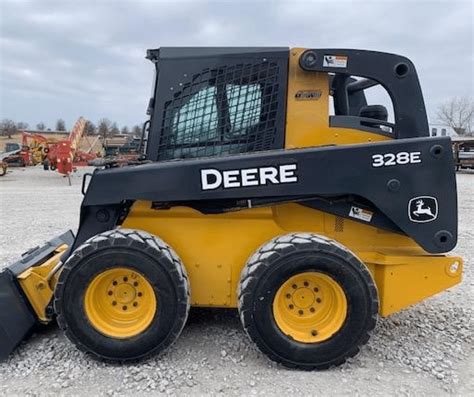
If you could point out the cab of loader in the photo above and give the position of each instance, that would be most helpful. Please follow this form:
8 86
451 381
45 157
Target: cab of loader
220 101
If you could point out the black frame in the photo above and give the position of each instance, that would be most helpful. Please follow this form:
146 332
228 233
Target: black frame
176 66
385 190
395 73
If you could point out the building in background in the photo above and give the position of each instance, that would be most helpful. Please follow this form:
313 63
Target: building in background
442 130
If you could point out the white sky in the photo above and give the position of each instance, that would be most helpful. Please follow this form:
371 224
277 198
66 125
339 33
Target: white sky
71 58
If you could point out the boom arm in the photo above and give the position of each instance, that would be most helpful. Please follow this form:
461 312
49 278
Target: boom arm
372 172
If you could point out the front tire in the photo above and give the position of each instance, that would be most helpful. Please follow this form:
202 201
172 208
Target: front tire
307 302
122 295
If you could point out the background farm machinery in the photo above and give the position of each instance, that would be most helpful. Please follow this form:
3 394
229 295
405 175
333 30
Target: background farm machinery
54 154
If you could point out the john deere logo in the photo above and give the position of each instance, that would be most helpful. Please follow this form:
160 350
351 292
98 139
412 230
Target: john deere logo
423 209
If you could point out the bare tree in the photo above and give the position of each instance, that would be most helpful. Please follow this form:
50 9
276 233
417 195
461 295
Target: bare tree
114 130
40 126
60 125
125 130
104 127
91 129
458 113
136 131
21 125
8 127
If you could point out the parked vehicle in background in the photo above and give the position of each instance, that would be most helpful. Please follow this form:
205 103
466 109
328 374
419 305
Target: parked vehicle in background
463 151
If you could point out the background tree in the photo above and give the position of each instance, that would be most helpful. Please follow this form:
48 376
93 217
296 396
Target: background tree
8 127
103 127
90 128
114 130
40 126
21 125
136 131
125 130
458 113
60 125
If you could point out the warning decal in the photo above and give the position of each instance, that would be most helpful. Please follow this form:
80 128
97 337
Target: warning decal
335 61
360 213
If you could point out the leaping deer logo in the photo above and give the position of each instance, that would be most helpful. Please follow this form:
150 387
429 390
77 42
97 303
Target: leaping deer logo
421 210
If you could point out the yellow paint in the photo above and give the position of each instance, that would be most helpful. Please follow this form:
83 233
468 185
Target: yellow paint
38 286
214 248
307 122
120 303
405 280
310 307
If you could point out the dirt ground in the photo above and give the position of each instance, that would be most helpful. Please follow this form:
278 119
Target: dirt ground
424 350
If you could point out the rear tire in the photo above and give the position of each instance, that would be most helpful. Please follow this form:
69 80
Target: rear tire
91 306
307 302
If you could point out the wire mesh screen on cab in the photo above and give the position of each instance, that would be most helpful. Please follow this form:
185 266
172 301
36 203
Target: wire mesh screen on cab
224 110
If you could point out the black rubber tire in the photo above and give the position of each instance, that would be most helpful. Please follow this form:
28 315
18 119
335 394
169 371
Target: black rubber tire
46 165
148 255
271 265
52 167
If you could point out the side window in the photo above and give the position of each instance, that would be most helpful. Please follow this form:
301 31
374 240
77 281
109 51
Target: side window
196 121
225 110
434 132
245 107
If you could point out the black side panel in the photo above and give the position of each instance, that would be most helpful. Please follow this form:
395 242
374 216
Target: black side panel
395 73
393 188
16 318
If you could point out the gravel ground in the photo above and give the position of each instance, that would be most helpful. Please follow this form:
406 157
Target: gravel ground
424 350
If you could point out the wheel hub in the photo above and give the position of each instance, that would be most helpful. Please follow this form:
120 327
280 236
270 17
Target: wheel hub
120 303
310 307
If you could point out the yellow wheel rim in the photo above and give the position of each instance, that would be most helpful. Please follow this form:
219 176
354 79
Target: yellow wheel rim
310 307
120 303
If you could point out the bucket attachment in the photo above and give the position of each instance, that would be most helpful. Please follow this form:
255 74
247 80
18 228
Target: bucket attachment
26 288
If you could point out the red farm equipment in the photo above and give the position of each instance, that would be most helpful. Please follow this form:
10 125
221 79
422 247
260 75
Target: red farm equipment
61 155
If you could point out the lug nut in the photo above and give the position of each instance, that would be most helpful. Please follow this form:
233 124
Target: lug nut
288 296
291 307
114 282
314 332
318 300
135 304
125 279
315 289
294 286
114 303
110 293
124 308
135 284
305 283
312 310
300 312
139 294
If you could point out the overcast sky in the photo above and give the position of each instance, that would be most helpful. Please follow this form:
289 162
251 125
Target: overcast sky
71 58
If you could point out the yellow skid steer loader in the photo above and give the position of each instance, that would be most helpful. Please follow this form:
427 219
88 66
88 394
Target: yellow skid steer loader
270 182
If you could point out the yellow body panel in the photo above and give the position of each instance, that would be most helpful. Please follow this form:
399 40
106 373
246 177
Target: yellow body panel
214 248
39 286
307 121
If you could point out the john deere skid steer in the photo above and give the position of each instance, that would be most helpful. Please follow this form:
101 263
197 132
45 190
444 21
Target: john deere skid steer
271 183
